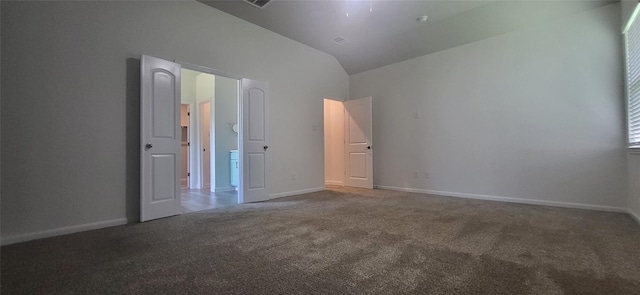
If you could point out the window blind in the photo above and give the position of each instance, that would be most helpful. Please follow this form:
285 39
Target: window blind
632 53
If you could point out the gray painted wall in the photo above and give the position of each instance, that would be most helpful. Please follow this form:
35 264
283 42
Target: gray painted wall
226 114
633 202
535 114
70 103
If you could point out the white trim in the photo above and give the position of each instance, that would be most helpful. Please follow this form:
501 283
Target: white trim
61 231
334 182
293 193
508 199
633 215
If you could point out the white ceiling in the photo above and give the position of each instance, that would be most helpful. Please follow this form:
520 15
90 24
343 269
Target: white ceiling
390 32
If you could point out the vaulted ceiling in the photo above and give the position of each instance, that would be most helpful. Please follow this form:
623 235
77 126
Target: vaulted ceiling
382 32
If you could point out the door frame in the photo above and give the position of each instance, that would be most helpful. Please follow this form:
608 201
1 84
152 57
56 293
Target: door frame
203 69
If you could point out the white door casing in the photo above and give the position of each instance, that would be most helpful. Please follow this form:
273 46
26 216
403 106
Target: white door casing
160 138
254 141
358 142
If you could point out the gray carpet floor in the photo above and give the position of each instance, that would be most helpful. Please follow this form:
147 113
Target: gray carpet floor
341 241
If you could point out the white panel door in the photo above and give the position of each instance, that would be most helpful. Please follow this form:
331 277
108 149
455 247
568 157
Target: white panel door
255 137
160 138
358 143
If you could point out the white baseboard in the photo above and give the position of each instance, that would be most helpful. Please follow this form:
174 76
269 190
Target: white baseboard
293 193
224 189
633 215
510 200
102 224
333 182
60 231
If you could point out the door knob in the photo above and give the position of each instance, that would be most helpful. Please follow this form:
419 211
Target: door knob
148 145
368 147
265 147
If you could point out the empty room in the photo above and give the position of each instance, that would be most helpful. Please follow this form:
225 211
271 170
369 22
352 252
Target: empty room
365 147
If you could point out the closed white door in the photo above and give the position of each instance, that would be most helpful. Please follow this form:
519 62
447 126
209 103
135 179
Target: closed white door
160 138
358 143
255 141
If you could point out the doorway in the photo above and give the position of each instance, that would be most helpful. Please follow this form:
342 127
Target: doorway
348 142
184 145
214 141
161 93
333 142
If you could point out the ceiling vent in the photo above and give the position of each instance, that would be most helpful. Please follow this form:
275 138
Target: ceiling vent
258 3
339 40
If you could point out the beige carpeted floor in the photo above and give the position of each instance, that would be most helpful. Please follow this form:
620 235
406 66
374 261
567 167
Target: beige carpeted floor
346 241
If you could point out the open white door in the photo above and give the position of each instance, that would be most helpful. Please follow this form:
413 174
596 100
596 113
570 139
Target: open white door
358 143
254 139
160 138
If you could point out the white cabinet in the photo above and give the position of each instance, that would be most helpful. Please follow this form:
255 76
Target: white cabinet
235 169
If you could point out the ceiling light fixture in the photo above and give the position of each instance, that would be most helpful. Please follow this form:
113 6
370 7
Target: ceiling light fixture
347 5
422 19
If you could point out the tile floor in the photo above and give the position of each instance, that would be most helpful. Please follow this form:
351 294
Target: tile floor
198 199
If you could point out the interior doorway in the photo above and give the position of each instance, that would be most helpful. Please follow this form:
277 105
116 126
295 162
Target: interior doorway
348 142
184 145
213 141
161 93
333 142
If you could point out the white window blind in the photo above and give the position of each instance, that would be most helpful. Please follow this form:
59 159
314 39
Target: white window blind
632 52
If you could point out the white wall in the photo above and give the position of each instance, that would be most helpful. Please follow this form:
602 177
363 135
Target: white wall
537 115
70 146
226 114
188 87
205 87
333 142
